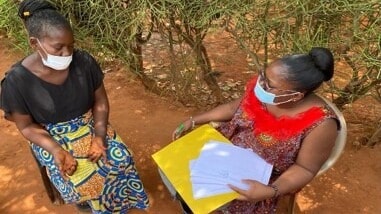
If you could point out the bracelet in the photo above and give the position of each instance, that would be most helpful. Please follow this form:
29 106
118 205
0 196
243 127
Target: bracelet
180 128
276 190
193 122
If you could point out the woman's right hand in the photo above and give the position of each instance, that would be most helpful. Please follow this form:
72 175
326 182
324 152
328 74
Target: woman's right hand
65 162
35 133
256 192
181 129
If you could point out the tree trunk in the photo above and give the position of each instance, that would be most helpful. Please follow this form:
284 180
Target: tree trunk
137 66
376 137
204 62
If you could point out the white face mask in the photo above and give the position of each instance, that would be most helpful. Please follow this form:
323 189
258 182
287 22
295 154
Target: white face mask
55 62
269 98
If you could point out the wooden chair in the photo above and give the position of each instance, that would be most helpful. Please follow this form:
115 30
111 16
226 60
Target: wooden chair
336 151
53 193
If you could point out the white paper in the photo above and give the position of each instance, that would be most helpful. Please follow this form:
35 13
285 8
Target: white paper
220 164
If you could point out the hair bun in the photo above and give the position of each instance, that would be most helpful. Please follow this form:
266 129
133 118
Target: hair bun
323 59
28 8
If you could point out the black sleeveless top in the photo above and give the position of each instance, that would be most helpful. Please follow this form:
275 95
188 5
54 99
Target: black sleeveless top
25 93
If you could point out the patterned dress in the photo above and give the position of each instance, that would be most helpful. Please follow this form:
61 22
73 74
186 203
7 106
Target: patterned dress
277 140
64 110
108 187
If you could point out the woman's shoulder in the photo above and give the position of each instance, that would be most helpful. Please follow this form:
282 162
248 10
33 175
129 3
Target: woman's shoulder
320 101
17 70
325 107
80 54
314 101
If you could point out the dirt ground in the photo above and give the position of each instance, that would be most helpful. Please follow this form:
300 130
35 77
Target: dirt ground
146 121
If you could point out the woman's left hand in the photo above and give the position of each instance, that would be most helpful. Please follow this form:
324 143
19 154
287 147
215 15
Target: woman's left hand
256 192
97 150
181 129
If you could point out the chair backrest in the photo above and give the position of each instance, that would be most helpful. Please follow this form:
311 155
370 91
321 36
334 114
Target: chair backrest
340 139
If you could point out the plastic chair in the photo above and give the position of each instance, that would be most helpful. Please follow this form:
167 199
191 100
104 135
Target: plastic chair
334 156
336 151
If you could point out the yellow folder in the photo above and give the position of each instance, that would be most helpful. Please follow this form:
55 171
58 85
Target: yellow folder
174 159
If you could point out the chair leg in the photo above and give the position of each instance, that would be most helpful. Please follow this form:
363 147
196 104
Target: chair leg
291 203
184 206
53 193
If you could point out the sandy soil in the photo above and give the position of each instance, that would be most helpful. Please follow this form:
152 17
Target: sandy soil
145 121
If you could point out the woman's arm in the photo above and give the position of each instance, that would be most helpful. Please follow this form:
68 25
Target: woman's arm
220 113
39 136
100 112
315 150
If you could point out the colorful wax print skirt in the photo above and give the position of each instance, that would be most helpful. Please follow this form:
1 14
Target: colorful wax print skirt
109 187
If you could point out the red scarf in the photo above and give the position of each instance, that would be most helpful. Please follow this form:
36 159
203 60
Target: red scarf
281 128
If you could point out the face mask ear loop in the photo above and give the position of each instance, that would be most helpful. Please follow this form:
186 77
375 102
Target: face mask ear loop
284 95
43 49
39 43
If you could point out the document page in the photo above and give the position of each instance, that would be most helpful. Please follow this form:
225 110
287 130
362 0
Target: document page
220 164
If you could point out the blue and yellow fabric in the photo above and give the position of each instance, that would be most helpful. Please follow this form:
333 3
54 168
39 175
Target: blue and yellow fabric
109 187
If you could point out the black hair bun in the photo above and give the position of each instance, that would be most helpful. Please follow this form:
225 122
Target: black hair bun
29 7
323 59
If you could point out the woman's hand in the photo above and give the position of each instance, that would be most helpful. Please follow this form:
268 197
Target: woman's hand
182 128
256 192
97 150
65 162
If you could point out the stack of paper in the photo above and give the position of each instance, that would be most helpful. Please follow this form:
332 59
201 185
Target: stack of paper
220 164
173 160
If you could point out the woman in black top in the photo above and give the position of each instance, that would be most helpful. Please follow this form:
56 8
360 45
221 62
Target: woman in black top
58 101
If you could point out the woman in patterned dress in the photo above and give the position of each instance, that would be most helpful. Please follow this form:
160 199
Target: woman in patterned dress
283 121
58 102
